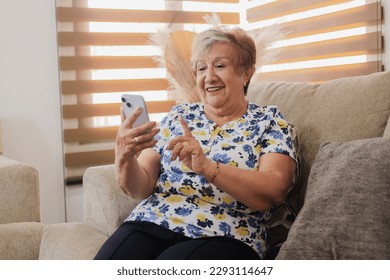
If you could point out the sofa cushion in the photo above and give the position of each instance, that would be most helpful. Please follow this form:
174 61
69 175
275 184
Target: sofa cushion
346 212
342 110
20 241
70 241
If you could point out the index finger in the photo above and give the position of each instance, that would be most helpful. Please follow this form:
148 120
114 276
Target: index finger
184 125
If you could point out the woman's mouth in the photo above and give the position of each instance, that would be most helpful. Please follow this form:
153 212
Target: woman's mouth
214 89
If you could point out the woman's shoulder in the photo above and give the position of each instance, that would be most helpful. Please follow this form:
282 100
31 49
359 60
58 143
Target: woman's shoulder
255 109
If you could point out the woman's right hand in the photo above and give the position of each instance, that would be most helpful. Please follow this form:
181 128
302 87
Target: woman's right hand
131 141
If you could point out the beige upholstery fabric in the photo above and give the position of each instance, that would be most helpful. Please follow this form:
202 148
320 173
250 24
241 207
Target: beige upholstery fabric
340 110
71 241
20 241
105 205
19 189
386 134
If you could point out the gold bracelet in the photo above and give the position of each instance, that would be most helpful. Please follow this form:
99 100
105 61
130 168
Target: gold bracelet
215 173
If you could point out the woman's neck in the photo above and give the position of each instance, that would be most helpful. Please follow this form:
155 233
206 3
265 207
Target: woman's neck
223 115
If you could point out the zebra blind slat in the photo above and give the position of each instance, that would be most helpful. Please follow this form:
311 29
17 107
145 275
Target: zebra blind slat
351 18
354 45
321 74
98 86
69 63
285 7
66 14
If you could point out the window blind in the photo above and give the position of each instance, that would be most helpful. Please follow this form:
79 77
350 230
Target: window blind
324 39
105 51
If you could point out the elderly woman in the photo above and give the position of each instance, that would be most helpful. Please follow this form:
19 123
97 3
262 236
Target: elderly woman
211 171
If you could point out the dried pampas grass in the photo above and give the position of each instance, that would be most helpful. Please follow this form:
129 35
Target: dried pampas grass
176 55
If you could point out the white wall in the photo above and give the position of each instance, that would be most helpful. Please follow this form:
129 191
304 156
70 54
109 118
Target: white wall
29 96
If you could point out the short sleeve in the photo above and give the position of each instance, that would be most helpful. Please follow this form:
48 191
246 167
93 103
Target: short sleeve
277 136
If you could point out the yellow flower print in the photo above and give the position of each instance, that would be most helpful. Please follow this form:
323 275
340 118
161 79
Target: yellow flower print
201 217
184 168
199 133
208 198
242 231
247 133
271 141
233 163
176 220
166 133
167 184
227 200
220 216
282 124
174 198
187 190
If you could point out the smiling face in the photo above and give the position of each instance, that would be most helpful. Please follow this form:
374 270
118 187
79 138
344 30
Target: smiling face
219 83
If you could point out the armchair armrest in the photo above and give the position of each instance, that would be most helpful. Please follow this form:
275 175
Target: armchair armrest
19 192
106 206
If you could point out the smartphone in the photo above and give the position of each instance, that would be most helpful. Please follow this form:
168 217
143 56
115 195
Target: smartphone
130 103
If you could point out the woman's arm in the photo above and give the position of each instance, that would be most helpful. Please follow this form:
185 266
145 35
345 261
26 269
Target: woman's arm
258 189
137 165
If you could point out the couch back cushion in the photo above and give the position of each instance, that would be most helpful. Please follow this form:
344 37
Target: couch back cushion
342 110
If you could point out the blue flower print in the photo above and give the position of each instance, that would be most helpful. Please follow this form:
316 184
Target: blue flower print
164 224
193 230
182 211
175 175
179 230
222 158
225 228
276 134
164 208
204 223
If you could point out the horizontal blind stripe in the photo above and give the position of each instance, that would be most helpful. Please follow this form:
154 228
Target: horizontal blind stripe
351 18
102 39
217 1
66 14
99 110
99 86
106 62
354 45
90 134
89 158
321 73
285 7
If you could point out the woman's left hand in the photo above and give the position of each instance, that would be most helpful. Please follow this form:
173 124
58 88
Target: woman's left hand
189 151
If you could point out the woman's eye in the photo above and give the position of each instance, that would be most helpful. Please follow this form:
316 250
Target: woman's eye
220 65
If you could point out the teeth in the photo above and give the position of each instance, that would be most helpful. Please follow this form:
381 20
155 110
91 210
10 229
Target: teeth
213 88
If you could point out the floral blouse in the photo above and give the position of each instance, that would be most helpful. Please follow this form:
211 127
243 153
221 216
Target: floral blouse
186 202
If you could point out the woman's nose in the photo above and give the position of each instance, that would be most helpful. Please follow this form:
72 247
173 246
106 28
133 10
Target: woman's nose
210 75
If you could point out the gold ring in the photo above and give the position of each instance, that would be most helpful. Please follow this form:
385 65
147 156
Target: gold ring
136 140
185 143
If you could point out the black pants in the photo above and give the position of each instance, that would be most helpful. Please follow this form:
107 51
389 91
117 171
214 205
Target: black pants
148 241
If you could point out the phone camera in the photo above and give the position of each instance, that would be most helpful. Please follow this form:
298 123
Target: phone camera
128 104
123 99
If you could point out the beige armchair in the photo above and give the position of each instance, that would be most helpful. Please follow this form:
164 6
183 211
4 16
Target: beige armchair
20 227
